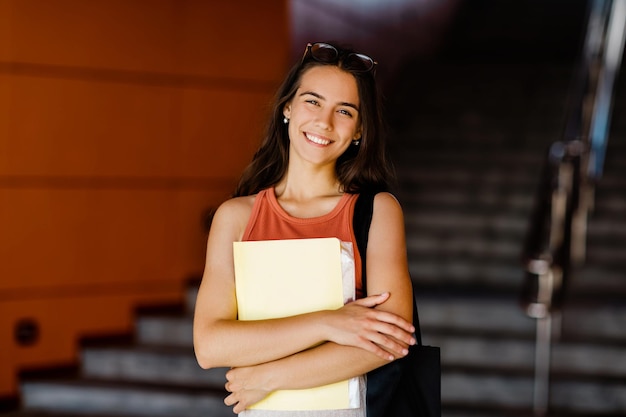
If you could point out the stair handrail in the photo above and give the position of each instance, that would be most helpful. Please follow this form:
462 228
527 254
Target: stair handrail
609 60
556 236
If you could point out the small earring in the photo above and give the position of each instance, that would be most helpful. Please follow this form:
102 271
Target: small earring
356 142
285 120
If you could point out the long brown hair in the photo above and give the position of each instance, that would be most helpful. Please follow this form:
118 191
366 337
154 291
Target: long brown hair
360 168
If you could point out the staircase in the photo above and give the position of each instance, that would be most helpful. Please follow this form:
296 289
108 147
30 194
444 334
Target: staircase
154 374
468 156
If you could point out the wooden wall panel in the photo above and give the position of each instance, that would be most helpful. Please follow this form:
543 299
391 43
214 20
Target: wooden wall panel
68 127
83 237
139 35
121 122
206 137
59 127
221 39
5 28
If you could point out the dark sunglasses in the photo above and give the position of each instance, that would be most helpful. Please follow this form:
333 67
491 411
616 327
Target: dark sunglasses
328 54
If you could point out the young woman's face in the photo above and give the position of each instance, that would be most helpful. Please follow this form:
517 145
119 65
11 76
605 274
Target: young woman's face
323 115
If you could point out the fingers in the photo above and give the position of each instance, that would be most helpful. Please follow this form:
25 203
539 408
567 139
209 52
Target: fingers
397 325
377 332
377 350
383 333
388 323
388 342
235 400
243 391
230 400
240 401
372 300
375 300
393 336
404 336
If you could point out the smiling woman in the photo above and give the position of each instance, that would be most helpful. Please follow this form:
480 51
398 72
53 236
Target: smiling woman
323 115
323 148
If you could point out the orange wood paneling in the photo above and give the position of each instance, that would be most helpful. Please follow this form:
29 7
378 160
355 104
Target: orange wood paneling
92 237
6 28
95 128
120 123
223 39
207 137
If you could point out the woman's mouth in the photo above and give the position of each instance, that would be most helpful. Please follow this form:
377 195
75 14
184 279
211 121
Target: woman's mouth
317 139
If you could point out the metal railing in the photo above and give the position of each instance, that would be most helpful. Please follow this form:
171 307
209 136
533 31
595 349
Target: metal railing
556 237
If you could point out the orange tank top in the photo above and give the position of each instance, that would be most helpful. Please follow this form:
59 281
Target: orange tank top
269 221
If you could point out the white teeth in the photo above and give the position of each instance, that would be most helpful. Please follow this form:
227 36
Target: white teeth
317 140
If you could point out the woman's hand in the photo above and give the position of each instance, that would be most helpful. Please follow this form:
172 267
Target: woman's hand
246 388
358 324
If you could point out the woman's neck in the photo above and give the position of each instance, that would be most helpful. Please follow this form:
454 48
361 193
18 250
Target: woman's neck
303 187
311 193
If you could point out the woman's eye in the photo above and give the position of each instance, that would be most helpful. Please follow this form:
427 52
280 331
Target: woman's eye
345 112
313 102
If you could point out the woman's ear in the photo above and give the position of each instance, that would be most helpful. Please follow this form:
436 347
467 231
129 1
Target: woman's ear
287 110
358 134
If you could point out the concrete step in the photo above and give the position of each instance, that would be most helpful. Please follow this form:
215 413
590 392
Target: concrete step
80 397
448 212
447 222
146 364
166 330
487 274
411 178
462 200
468 272
459 245
605 228
597 280
508 355
488 244
608 203
466 388
424 136
492 390
489 178
502 316
470 157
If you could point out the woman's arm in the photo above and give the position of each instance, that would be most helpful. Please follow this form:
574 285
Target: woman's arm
387 271
221 340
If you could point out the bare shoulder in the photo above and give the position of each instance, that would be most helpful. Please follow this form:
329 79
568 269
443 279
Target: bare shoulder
233 214
386 204
387 218
236 206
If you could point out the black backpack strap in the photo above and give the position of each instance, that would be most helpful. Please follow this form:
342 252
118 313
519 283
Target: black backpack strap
363 210
383 382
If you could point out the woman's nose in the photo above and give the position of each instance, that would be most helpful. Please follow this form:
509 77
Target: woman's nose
324 120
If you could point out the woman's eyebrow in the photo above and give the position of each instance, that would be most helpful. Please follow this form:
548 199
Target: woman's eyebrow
321 97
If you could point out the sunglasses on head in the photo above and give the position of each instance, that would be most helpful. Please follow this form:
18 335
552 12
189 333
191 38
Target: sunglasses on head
328 54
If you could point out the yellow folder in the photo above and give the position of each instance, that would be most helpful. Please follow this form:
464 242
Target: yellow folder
282 278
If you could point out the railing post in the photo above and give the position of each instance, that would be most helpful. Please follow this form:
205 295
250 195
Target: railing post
543 344
557 233
546 275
